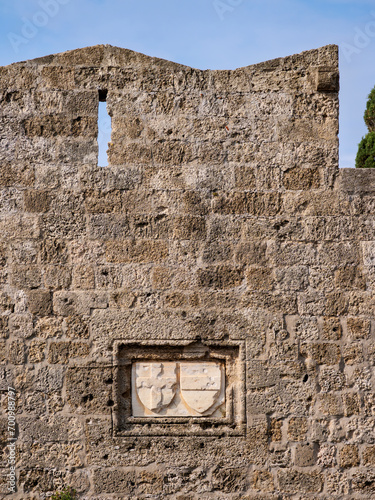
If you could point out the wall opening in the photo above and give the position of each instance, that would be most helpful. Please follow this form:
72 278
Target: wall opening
104 129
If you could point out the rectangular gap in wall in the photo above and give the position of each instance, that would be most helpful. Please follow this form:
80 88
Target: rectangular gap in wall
104 129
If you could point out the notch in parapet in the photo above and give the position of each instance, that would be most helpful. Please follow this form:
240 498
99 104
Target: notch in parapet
104 129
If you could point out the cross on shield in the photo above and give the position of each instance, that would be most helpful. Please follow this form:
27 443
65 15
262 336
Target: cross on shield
200 384
155 384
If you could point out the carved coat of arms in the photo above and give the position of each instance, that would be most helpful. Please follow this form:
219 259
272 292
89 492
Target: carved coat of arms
186 388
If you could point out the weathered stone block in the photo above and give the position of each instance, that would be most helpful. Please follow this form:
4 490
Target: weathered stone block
56 277
260 204
353 353
297 428
61 352
136 251
368 456
301 178
26 277
305 455
21 325
54 251
331 404
262 480
89 389
324 353
37 201
37 351
17 352
258 278
293 481
358 328
77 327
331 329
221 277
83 277
251 253
352 404
39 302
276 429
186 228
78 303
348 456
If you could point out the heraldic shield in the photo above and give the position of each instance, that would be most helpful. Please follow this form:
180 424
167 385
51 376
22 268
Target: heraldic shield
156 384
200 384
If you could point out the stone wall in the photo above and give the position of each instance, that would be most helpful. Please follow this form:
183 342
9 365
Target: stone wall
221 252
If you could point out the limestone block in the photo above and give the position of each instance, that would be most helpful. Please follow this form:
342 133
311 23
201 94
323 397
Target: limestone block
54 251
297 428
186 228
260 204
37 201
358 328
61 352
56 277
293 481
3 352
258 278
251 253
39 302
83 277
49 327
72 303
89 389
301 178
77 326
37 351
21 325
215 252
305 455
323 353
276 429
292 278
26 277
364 482
16 175
368 456
48 379
219 277
17 352
353 353
352 404
305 327
331 404
332 329
348 456
331 379
140 251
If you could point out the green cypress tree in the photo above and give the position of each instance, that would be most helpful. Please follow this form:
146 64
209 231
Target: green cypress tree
369 116
366 149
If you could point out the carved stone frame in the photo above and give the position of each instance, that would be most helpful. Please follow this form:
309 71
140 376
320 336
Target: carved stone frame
231 353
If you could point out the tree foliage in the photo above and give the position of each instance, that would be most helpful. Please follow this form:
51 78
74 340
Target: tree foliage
366 149
369 115
366 152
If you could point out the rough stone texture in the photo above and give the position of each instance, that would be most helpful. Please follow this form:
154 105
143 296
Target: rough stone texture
222 230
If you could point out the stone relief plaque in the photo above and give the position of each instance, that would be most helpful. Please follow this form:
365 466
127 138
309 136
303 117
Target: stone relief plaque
178 389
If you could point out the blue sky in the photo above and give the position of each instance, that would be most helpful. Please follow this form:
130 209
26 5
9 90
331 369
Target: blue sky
215 34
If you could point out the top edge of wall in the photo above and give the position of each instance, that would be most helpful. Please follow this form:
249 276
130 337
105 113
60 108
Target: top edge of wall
108 55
